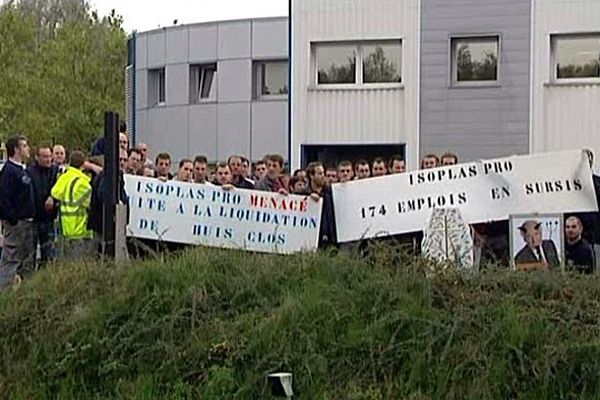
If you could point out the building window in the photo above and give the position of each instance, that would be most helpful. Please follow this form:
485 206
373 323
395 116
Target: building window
156 86
270 79
363 63
381 62
576 56
475 60
203 79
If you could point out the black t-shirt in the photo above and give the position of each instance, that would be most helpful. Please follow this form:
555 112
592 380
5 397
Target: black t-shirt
580 256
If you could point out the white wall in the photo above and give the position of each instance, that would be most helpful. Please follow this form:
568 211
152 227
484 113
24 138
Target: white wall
563 116
350 116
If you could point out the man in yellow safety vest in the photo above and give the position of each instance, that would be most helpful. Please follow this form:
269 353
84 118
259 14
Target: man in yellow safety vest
73 190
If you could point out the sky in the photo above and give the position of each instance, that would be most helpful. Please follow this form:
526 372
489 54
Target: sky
144 15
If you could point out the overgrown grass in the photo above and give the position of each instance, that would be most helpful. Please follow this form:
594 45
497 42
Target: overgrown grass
211 324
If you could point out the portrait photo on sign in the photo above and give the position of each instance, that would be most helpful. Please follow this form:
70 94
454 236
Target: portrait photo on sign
536 241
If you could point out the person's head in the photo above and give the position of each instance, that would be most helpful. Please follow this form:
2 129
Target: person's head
200 164
235 165
345 172
430 161
123 160
43 156
379 167
148 172
448 159
274 166
245 171
223 174
186 167
260 169
163 164
300 173
331 175
573 229
531 231
122 127
297 184
59 155
316 174
134 162
397 165
77 159
18 148
362 169
143 148
123 141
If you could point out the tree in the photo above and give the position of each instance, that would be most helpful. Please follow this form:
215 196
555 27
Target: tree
61 74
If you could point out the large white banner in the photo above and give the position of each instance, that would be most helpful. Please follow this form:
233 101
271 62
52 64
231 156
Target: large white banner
207 215
483 191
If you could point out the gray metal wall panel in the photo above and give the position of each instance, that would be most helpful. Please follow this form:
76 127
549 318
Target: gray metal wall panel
234 130
234 80
141 51
214 129
203 131
270 39
203 43
141 131
141 89
475 122
157 56
235 39
269 128
177 85
166 132
177 45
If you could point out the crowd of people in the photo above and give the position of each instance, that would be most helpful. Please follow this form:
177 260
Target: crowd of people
51 201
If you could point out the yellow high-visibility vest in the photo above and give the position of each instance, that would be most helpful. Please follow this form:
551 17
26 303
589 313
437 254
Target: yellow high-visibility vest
74 191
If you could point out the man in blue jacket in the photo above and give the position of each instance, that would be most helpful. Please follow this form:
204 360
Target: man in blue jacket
16 212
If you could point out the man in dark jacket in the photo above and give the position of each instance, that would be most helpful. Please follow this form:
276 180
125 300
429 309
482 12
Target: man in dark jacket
16 213
591 220
43 176
96 212
273 180
317 189
237 173
579 254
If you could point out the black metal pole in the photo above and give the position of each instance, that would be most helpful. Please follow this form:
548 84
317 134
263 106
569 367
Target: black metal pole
111 181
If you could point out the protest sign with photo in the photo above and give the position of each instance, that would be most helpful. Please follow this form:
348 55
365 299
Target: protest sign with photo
210 216
536 241
483 191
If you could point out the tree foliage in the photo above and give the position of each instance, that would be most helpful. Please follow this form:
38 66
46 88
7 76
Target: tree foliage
61 67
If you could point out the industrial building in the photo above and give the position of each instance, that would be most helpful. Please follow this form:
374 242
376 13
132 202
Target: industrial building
214 89
374 77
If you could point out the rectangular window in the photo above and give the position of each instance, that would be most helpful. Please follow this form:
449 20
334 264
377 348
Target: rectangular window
576 56
475 60
203 80
270 79
361 63
156 87
381 62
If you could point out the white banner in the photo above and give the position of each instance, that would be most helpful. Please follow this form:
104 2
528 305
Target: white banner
483 191
207 215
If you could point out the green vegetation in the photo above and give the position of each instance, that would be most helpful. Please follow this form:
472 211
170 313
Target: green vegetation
210 324
61 66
